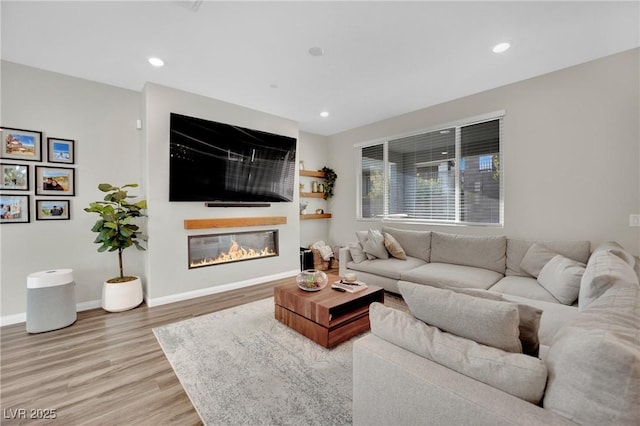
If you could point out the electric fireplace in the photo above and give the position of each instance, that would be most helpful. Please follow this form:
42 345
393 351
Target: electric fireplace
216 249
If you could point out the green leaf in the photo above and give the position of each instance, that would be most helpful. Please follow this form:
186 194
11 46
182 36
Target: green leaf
106 187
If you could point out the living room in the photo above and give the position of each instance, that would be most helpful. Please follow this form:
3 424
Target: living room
570 150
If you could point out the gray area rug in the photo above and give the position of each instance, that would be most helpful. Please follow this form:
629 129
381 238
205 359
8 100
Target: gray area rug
241 366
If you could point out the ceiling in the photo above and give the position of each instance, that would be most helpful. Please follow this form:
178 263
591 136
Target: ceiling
381 59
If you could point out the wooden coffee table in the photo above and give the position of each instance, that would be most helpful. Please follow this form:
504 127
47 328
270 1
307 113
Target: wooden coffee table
328 317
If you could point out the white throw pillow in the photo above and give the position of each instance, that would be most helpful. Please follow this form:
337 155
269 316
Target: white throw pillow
561 277
356 253
374 245
490 322
536 257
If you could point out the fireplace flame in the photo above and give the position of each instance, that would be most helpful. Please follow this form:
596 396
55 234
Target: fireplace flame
236 252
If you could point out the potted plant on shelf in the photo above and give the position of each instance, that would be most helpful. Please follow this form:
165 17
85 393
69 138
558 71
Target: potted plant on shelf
329 182
116 232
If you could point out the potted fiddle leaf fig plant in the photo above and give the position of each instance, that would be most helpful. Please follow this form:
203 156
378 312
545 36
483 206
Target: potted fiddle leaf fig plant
117 231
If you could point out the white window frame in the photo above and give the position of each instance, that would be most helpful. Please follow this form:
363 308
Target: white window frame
496 115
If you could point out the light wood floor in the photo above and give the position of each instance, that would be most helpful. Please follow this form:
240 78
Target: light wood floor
107 368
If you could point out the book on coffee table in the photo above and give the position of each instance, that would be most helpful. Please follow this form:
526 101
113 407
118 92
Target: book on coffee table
351 287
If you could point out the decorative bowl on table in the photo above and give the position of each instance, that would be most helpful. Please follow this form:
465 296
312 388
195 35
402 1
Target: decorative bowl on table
312 280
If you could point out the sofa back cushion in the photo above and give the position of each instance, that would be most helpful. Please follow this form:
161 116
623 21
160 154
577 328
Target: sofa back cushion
516 250
604 270
520 375
415 243
594 361
490 322
481 252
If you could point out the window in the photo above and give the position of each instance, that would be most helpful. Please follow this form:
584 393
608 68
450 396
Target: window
449 175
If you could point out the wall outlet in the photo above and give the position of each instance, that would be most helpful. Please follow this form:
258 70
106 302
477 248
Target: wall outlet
634 220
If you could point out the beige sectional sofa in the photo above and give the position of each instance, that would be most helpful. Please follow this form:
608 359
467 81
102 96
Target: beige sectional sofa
420 369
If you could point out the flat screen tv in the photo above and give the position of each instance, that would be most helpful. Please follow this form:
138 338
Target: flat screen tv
211 162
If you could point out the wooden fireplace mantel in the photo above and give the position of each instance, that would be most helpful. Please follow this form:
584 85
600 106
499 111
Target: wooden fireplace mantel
234 222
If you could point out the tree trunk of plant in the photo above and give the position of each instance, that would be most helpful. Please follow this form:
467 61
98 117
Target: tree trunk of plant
120 262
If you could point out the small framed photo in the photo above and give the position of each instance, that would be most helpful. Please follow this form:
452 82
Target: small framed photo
60 150
55 181
14 208
19 144
52 210
14 177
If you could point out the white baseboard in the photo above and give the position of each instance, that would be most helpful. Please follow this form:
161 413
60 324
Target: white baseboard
157 301
22 317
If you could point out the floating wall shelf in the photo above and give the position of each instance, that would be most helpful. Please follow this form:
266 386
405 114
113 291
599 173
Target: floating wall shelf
234 222
315 216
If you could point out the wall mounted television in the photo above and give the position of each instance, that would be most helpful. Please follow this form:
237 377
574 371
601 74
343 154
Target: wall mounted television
217 162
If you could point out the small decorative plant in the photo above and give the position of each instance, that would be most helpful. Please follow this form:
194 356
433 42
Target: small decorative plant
329 182
115 227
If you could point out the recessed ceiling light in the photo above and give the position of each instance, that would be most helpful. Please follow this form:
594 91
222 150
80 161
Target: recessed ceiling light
445 152
316 51
324 114
156 62
501 47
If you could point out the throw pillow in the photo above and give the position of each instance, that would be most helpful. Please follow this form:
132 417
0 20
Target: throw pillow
519 375
529 319
561 277
490 322
362 238
394 247
356 252
374 245
536 257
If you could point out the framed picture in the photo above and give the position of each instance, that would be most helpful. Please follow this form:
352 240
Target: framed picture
14 177
55 181
52 210
60 150
19 144
14 208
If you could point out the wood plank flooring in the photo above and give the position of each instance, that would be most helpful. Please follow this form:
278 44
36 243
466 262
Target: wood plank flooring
106 369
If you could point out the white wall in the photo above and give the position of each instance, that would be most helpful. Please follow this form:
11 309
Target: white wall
313 150
168 275
571 154
101 120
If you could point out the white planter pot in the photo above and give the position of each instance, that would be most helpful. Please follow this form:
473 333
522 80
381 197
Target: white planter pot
118 297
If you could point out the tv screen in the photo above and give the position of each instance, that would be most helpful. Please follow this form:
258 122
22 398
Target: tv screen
210 161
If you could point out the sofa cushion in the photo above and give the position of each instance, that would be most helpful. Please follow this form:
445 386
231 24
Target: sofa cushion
448 275
604 269
374 245
516 249
523 287
519 375
561 277
536 258
618 250
391 268
480 252
485 321
529 319
393 247
415 243
594 361
554 316
357 254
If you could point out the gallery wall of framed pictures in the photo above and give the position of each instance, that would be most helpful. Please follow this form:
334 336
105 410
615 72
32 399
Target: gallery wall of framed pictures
48 184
